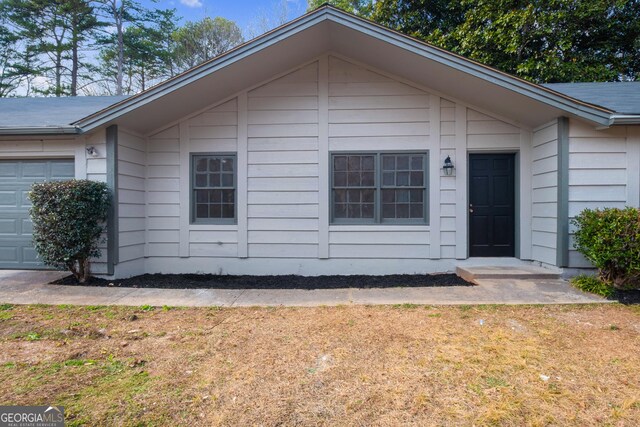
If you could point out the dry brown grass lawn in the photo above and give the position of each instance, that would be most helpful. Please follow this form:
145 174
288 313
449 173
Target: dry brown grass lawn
402 365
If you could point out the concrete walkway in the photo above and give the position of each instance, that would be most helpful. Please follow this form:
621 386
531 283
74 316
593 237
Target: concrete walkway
31 287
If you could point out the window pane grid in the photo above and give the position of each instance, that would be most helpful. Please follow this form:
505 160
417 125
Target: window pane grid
213 187
354 171
354 180
359 203
379 187
403 186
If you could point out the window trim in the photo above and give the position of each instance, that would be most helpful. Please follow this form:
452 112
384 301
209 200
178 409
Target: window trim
377 215
192 200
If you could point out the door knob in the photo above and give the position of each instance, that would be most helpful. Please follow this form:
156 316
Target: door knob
470 210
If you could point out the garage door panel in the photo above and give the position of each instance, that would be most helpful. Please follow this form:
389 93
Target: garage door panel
14 196
62 171
16 178
24 199
8 170
9 198
19 254
26 228
8 254
33 171
15 224
30 256
9 226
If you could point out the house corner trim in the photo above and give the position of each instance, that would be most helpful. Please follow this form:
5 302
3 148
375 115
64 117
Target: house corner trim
562 235
112 184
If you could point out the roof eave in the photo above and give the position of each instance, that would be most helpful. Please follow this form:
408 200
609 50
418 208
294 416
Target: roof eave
110 113
539 93
40 130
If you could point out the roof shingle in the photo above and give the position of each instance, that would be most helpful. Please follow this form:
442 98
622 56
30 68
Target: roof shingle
51 112
621 97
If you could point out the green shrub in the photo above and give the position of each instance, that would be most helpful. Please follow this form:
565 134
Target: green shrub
593 285
610 239
68 221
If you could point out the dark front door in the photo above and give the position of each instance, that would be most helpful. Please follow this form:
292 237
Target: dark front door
491 205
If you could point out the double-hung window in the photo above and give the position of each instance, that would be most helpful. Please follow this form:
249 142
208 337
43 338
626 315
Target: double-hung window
369 188
213 188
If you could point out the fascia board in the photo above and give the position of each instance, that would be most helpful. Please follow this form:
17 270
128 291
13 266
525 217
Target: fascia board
40 130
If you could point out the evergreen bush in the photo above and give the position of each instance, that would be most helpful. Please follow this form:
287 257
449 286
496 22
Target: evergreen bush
68 222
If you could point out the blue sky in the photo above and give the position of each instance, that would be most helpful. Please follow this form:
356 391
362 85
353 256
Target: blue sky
250 15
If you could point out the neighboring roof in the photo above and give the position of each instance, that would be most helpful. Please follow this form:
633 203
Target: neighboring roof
49 115
621 97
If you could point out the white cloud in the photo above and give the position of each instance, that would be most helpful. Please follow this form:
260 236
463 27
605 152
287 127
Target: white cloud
191 3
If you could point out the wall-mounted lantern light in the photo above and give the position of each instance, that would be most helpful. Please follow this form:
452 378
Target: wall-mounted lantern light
92 151
448 166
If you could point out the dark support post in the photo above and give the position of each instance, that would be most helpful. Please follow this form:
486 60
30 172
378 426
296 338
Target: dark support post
562 247
112 183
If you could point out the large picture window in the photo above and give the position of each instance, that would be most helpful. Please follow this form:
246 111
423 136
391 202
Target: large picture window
379 188
213 184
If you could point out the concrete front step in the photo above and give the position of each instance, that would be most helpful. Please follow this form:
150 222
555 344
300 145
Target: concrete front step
472 273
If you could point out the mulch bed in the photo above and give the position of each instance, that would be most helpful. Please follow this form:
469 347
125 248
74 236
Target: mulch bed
213 281
627 297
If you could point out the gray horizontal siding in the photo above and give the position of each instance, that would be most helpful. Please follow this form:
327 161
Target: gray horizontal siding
372 112
597 173
131 196
283 167
544 196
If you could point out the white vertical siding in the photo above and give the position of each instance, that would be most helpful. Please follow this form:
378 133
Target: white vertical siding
464 130
597 173
488 133
96 170
633 166
282 168
362 110
97 166
163 202
372 112
448 200
524 219
365 111
132 158
368 111
544 196
213 131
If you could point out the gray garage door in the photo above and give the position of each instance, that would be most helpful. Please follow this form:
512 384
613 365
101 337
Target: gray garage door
16 177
